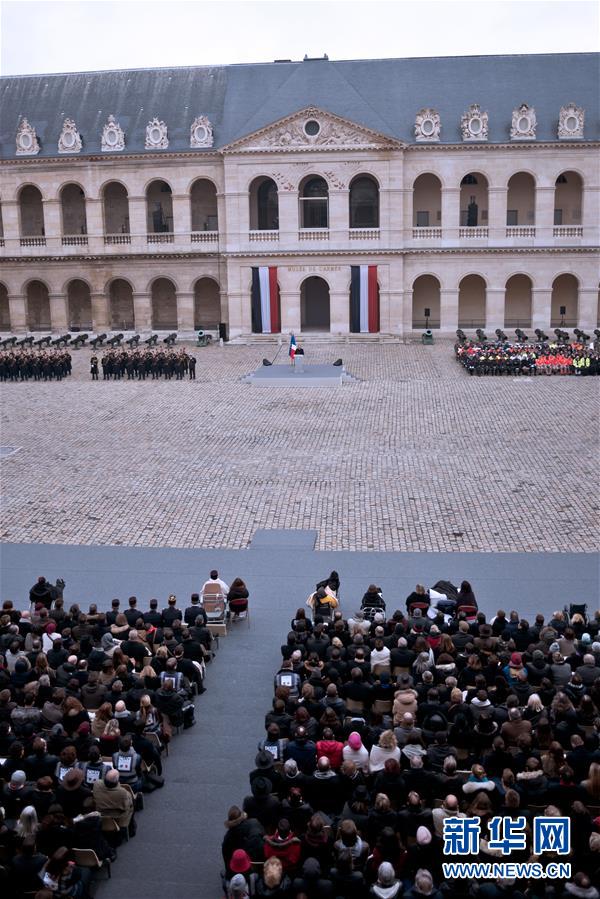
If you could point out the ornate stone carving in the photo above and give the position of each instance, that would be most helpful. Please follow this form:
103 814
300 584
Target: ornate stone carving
313 127
570 122
201 132
427 125
474 123
335 180
524 123
156 135
283 181
27 140
70 138
113 136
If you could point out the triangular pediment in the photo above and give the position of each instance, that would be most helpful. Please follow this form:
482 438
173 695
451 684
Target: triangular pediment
299 132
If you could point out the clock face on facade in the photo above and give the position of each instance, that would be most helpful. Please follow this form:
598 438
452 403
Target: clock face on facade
312 128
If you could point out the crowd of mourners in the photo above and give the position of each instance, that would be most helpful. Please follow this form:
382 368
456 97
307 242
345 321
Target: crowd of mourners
34 365
383 725
139 364
89 701
482 358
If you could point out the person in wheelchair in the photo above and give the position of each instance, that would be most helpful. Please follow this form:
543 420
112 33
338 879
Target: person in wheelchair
373 599
322 602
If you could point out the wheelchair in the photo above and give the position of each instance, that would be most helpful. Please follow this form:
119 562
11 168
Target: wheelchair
577 608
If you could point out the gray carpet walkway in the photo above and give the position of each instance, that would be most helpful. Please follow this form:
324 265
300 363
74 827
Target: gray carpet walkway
177 848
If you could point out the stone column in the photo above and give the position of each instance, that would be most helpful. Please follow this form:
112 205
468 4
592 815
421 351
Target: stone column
544 215
448 308
142 309
450 215
497 199
339 312
494 308
185 311
407 213
17 304
221 217
95 223
588 309
138 222
385 324
100 311
59 311
10 223
395 311
393 224
591 214
182 217
53 223
541 304
288 218
290 311
339 217
407 304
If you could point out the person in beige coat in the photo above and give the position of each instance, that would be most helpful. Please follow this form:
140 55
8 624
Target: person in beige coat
405 700
113 800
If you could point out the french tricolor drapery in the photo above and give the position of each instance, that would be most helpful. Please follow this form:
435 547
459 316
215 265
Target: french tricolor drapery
364 299
265 300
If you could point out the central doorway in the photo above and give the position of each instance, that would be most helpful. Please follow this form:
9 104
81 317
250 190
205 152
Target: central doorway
314 305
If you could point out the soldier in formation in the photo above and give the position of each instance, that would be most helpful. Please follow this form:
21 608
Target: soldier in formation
528 359
138 364
34 365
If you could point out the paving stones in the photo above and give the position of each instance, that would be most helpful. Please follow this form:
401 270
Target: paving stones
415 456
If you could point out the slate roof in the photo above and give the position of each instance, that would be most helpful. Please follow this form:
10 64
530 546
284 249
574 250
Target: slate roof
382 94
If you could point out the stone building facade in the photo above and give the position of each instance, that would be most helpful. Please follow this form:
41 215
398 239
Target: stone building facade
143 200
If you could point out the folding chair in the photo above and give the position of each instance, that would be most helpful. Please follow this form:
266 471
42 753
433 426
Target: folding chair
383 706
111 826
239 616
470 612
155 740
378 670
87 858
354 707
398 670
214 604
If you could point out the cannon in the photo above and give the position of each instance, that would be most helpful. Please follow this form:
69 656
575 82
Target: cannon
521 335
581 336
115 340
461 336
170 339
481 335
152 340
79 341
97 341
8 341
133 341
501 335
543 338
61 341
25 341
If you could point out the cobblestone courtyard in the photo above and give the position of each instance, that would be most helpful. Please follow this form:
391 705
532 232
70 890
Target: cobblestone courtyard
416 456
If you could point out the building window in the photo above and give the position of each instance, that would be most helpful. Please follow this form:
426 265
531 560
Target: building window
364 203
314 203
423 219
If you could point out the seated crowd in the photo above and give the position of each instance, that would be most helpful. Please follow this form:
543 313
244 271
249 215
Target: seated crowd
381 728
88 703
528 359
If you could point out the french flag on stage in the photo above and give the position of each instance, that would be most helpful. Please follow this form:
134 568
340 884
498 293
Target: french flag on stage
265 300
364 299
292 350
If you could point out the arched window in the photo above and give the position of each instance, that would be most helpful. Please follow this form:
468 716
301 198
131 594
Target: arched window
31 212
474 200
426 303
116 209
4 309
427 201
568 199
471 302
264 205
364 202
79 306
564 310
517 302
38 307
72 202
314 203
520 200
122 316
207 304
159 208
203 199
164 305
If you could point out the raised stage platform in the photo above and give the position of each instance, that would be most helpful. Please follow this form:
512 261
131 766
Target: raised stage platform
293 376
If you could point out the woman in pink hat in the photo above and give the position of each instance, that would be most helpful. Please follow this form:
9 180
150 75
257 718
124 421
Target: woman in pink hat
354 751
